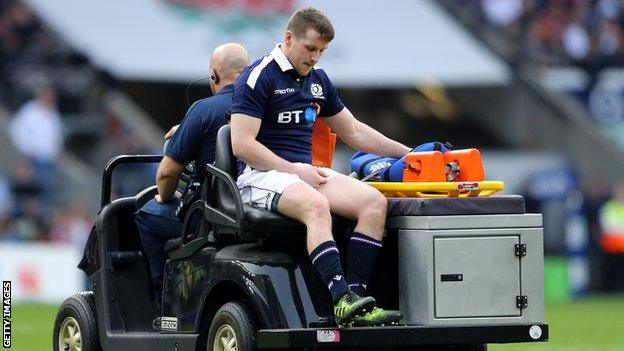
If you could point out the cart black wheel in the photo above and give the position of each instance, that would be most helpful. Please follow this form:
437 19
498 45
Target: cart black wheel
75 328
232 328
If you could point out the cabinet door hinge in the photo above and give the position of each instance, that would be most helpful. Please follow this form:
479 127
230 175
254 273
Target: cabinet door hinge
522 301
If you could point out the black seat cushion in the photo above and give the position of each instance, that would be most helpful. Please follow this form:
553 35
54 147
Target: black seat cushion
263 221
506 204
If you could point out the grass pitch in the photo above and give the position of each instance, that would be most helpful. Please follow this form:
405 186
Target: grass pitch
592 324
31 326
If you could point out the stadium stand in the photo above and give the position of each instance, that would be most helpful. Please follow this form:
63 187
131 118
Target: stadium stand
566 125
97 121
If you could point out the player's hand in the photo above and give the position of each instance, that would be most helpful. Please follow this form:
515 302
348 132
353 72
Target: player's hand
176 195
171 132
314 176
158 198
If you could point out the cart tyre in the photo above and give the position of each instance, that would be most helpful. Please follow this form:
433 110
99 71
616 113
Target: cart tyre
75 327
232 325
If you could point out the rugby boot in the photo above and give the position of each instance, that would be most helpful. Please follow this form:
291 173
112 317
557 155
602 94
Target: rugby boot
352 305
378 316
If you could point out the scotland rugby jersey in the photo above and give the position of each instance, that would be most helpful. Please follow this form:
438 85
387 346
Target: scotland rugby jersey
288 104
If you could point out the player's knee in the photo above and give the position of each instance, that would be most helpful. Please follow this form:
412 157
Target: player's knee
316 206
376 203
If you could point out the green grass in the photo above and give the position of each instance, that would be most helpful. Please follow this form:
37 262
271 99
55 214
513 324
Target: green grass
592 324
31 326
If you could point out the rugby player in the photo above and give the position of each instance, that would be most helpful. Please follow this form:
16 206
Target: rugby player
276 101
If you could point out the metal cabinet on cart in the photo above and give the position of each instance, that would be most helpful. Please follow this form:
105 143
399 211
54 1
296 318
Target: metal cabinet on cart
469 261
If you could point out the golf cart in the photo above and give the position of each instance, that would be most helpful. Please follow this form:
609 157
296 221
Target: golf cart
464 271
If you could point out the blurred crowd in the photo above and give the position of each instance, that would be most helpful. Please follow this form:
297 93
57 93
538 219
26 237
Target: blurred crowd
52 97
25 216
31 56
585 33
28 199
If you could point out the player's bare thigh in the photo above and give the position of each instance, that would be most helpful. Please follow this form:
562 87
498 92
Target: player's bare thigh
348 197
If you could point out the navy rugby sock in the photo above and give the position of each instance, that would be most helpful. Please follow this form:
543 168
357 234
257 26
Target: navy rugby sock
361 254
326 260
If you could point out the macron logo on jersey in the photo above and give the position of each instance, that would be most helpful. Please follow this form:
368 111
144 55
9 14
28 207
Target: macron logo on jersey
284 91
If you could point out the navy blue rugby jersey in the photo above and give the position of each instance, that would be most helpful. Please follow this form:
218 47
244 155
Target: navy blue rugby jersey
196 137
288 104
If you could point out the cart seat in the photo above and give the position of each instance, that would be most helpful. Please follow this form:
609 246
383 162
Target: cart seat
145 195
257 222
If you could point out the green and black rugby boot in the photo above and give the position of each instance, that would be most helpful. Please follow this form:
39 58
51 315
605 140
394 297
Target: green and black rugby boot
352 305
378 316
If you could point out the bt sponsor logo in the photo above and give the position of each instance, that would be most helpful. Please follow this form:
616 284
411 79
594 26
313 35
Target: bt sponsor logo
307 116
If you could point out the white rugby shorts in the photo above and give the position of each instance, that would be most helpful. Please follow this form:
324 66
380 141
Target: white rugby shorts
264 188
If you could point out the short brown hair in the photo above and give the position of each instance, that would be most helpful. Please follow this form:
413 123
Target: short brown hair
310 17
